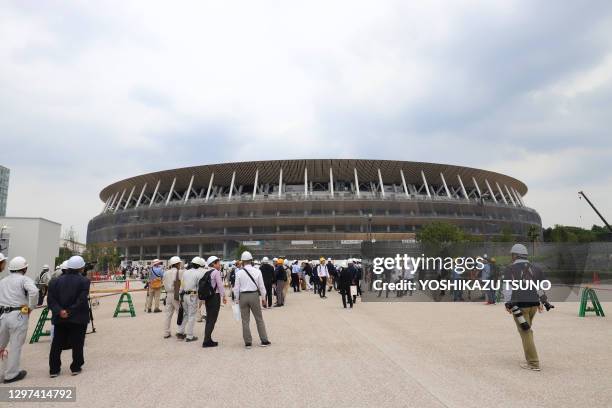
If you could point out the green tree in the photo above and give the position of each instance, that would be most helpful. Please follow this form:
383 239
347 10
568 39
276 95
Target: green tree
437 233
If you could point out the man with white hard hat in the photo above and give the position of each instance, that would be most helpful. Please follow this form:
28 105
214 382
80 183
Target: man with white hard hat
250 293
172 284
69 303
189 294
214 294
43 284
18 296
524 304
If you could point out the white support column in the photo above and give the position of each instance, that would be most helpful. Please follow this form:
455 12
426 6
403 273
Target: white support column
331 182
305 181
510 195
463 188
229 197
212 177
518 197
404 183
380 181
425 184
490 190
280 183
112 204
119 202
141 195
171 191
356 182
445 186
501 193
129 197
255 184
477 188
189 188
105 206
154 196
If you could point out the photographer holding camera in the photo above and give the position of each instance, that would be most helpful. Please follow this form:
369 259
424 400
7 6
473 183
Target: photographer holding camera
524 304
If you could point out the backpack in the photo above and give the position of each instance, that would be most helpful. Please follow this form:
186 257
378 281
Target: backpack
205 289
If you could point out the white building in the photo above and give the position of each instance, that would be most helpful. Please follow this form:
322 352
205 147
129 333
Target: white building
33 238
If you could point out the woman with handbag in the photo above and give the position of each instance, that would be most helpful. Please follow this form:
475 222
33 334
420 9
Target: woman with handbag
155 285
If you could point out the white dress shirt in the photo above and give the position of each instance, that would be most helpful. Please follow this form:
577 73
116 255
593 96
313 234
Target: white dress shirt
13 290
245 284
322 271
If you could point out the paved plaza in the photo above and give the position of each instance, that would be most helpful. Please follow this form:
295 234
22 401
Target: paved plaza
377 355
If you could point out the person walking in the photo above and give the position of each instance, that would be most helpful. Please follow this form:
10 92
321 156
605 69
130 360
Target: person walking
267 272
345 280
525 303
189 295
172 284
281 280
247 292
68 302
213 304
43 284
154 285
333 274
295 276
18 296
323 275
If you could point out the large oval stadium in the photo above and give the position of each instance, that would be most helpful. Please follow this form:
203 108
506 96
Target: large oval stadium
302 208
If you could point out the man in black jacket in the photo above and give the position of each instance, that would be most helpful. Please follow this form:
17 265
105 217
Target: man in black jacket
267 273
68 301
281 281
345 280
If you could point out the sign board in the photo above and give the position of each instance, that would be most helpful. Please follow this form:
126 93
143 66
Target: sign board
350 242
302 242
251 243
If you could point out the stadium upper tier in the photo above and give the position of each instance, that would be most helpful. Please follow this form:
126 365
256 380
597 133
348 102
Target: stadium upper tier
325 179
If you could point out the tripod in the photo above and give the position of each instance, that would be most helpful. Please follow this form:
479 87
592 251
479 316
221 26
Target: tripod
91 317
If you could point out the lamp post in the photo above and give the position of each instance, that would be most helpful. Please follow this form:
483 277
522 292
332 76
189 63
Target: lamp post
370 227
2 247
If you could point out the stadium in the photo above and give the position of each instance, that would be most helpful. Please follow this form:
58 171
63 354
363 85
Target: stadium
302 208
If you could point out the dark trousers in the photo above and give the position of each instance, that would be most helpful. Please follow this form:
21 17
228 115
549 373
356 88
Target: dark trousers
315 284
295 282
67 334
212 312
359 291
345 291
322 286
269 293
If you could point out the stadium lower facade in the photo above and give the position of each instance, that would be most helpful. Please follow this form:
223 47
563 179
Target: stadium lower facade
302 208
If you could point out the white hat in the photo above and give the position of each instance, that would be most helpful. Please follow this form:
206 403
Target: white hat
328 259
265 260
75 262
64 265
246 256
198 261
211 260
174 260
18 263
2 257
156 262
519 249
45 266
350 261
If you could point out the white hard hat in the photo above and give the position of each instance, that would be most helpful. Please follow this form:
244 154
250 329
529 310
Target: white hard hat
45 266
519 249
485 256
344 264
174 260
198 261
211 260
274 259
265 260
64 265
2 257
350 261
17 263
329 259
75 262
246 256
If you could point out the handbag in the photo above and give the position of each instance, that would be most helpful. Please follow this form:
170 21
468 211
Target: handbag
236 311
353 290
156 283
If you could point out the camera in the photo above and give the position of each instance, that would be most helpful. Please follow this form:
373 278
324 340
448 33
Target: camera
518 315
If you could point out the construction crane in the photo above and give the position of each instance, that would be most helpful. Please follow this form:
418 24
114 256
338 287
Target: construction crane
595 209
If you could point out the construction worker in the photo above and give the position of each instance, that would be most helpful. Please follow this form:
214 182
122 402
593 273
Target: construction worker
345 280
525 303
295 276
333 275
323 275
189 294
213 304
250 293
68 301
18 296
154 285
267 272
172 284
281 281
43 284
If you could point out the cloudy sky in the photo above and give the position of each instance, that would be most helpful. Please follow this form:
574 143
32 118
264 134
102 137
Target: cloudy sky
94 92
